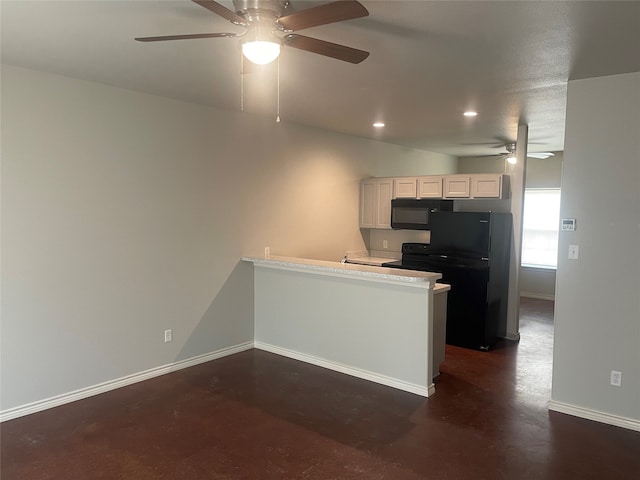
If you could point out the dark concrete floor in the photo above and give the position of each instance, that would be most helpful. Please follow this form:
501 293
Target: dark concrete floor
256 415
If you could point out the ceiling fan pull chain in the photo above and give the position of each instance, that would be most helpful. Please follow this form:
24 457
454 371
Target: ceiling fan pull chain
241 83
278 94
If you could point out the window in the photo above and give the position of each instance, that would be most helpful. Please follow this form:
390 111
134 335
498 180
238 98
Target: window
540 224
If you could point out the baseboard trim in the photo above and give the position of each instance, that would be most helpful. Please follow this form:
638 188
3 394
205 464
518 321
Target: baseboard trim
348 370
82 393
594 415
513 336
540 296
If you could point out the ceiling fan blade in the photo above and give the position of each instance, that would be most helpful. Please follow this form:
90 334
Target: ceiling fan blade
494 155
487 144
223 11
540 155
186 37
328 49
323 14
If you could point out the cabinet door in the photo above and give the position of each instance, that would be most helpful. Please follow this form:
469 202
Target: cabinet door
456 186
405 187
384 188
487 186
368 204
430 187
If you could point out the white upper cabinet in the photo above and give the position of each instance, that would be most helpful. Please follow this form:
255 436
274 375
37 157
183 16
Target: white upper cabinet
457 186
375 202
405 187
430 187
489 186
368 203
385 194
376 193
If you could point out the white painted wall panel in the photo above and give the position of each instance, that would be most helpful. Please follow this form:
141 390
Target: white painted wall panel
377 327
597 317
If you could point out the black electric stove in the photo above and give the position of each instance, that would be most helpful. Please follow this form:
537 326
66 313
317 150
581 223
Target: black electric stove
415 256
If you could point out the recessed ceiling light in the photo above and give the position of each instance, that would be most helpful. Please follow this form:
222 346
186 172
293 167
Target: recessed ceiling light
378 124
470 114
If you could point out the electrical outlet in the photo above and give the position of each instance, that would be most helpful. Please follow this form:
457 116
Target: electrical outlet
616 378
168 336
267 252
385 244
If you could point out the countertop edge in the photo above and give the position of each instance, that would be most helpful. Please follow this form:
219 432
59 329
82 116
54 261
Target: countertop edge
406 277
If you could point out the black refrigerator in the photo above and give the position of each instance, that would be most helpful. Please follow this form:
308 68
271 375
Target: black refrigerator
472 251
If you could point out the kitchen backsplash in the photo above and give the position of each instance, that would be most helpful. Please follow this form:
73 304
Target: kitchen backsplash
395 239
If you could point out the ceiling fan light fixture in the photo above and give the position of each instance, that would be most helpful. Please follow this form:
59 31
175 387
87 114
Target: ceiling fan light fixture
261 52
511 155
261 46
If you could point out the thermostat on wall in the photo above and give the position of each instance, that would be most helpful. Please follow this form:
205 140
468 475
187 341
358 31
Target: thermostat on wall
568 224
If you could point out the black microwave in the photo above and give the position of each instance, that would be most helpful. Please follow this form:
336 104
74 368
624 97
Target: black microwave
413 214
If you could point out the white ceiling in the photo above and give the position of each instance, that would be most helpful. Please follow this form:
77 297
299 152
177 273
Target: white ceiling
430 61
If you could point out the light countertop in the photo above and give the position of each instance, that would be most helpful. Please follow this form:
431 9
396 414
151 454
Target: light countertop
375 261
363 257
392 275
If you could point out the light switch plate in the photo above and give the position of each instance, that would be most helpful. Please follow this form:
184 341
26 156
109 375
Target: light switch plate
574 251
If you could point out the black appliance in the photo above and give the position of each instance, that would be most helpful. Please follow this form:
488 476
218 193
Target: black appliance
414 214
471 250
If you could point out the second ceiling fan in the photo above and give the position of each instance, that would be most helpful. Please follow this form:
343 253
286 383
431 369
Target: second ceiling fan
510 154
267 28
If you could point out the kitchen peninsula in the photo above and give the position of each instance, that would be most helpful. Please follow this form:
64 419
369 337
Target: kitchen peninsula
371 322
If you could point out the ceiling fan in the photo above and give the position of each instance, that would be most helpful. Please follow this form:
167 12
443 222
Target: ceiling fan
267 28
510 154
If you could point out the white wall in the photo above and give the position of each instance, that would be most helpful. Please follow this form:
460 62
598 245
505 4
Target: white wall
597 312
370 328
124 214
416 162
545 173
481 165
538 283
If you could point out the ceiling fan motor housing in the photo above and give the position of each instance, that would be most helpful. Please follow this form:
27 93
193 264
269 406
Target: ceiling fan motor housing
260 10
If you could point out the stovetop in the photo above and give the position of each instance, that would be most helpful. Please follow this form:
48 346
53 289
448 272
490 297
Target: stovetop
413 255
417 256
